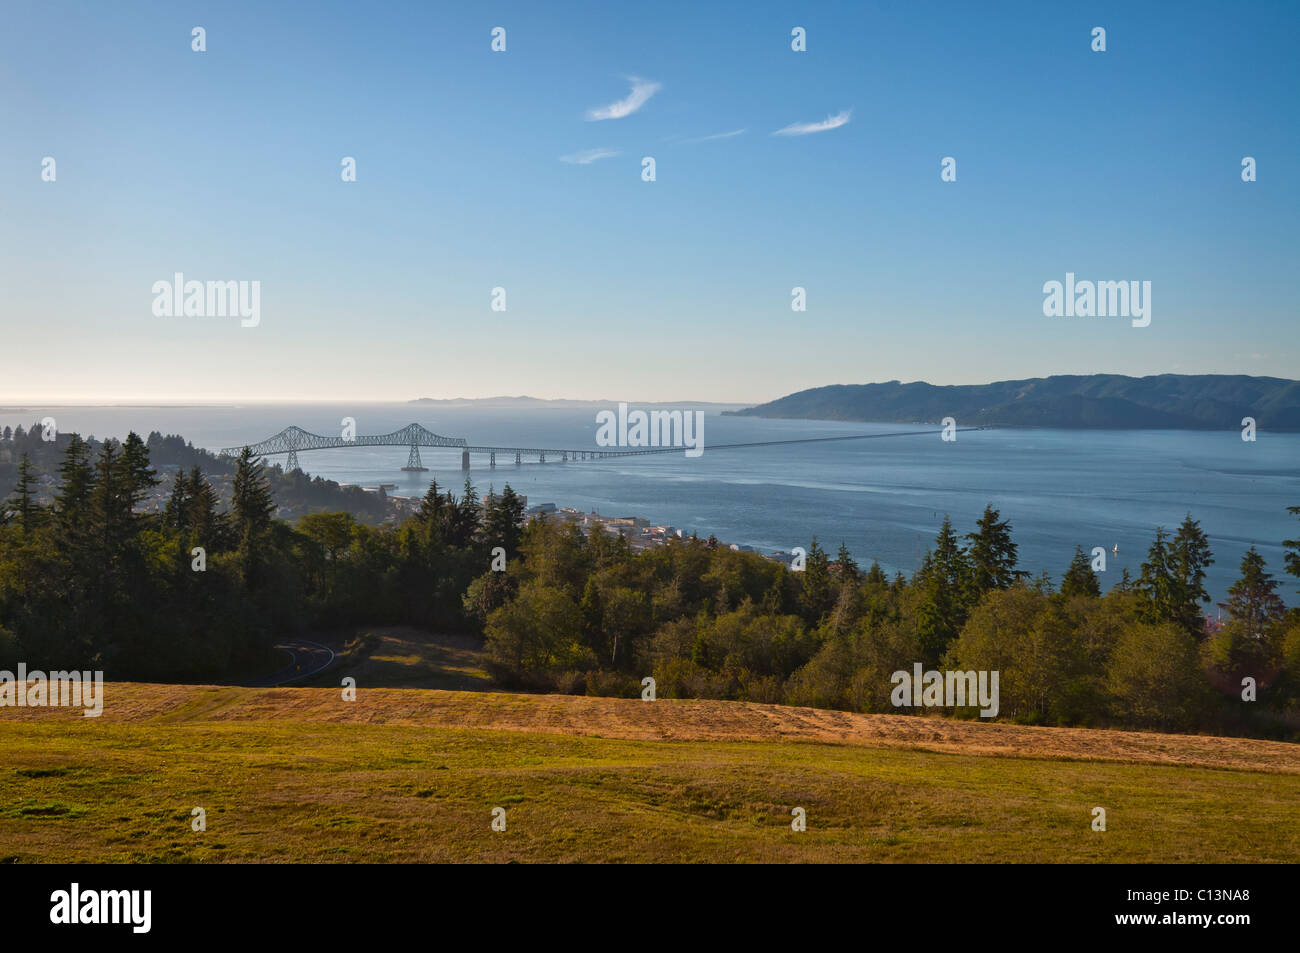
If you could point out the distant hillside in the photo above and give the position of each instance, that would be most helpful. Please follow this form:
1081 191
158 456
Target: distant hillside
1098 401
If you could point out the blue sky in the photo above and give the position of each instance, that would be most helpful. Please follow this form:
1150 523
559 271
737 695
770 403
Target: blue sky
1123 165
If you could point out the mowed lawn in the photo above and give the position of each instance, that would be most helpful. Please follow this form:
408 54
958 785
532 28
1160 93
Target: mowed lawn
298 775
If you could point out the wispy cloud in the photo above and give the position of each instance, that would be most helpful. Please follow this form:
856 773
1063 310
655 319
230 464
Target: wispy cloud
588 156
805 128
641 92
718 135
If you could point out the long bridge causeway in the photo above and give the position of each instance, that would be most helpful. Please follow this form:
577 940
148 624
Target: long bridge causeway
293 440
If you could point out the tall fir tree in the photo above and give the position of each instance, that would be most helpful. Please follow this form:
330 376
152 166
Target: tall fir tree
432 506
876 576
175 510
252 504
992 554
1189 555
849 570
949 561
1159 587
817 596
110 500
1253 601
202 512
138 473
252 508
76 479
467 517
945 589
503 520
1079 579
24 503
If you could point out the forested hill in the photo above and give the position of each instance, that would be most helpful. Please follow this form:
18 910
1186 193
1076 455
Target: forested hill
295 493
1101 401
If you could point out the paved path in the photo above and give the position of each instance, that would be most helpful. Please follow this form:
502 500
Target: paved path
306 659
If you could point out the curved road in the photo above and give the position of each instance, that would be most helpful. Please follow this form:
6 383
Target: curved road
306 659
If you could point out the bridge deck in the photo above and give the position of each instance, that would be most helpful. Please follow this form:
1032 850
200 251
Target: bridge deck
294 439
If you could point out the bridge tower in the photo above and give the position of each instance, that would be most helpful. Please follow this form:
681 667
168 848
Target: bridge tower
464 459
291 462
492 460
413 460
517 460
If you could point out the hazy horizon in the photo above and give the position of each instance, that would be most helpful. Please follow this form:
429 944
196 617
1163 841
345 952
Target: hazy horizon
13 402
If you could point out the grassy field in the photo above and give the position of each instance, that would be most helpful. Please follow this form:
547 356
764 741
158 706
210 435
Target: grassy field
412 775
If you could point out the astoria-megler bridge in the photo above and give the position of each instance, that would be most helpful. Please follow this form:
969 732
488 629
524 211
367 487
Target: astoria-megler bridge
293 439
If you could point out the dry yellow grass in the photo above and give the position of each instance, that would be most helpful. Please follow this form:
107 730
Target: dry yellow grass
668 719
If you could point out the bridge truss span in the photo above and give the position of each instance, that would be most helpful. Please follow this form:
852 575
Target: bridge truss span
292 439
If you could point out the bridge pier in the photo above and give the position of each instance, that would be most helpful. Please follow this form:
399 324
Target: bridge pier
492 460
413 460
518 462
291 462
564 457
464 459
541 457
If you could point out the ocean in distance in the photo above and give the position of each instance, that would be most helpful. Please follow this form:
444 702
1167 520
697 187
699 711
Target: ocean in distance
884 498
